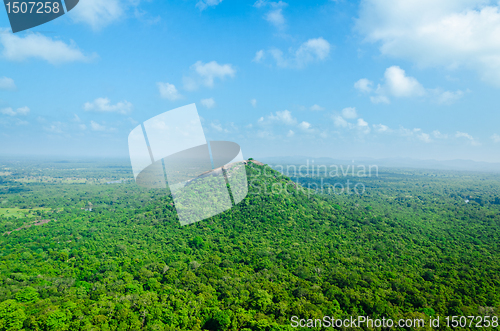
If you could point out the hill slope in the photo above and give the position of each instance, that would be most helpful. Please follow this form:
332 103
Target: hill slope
275 255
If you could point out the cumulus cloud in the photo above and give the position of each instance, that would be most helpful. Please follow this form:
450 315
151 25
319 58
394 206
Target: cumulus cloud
23 111
349 112
204 4
447 33
399 85
97 127
364 85
380 99
448 97
276 18
313 50
253 102
468 137
496 138
35 45
284 122
55 127
284 117
168 91
275 13
304 126
438 135
209 103
103 105
316 108
216 126
8 111
259 56
231 127
363 126
360 126
206 73
381 128
97 13
7 84
339 121
425 137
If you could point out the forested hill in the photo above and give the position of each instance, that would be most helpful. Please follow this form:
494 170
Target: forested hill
129 265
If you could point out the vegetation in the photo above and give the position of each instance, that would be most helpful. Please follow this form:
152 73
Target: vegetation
408 247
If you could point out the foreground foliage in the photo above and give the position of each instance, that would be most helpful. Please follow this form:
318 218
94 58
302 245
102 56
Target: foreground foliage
409 247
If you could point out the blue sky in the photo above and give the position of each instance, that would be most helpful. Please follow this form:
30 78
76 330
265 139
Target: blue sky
345 79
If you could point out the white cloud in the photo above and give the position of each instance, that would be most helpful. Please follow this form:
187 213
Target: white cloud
284 117
216 126
168 91
363 126
313 50
316 108
362 122
209 103
364 85
36 45
438 135
400 85
449 97
97 127
290 133
206 74
276 18
55 127
144 17
381 128
7 84
304 126
339 121
265 134
349 113
447 33
380 99
23 111
467 136
463 135
425 137
103 105
204 4
8 111
253 102
496 138
97 13
275 13
259 56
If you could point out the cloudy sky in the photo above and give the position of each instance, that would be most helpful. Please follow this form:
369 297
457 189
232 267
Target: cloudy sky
345 79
